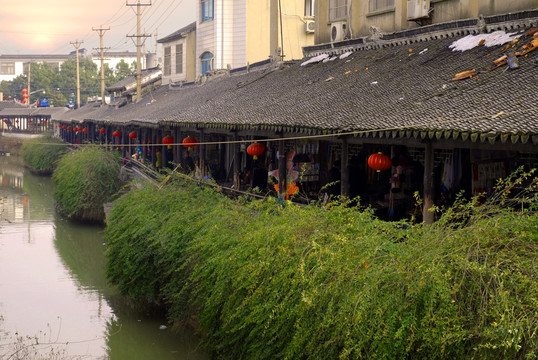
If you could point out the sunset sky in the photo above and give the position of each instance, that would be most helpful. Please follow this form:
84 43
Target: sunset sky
48 27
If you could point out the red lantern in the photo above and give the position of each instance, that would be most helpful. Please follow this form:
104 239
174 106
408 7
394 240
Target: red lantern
5 120
60 126
132 135
255 149
29 121
44 121
69 128
84 130
102 130
189 142
379 162
116 133
168 140
63 127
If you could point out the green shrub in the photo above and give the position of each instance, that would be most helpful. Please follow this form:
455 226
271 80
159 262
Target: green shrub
266 282
42 154
84 180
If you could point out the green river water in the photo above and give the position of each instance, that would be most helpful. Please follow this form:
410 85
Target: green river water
55 302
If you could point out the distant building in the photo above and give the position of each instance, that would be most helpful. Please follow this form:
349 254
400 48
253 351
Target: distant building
12 66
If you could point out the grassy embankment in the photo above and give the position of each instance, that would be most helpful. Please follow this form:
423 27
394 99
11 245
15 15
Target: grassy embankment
266 282
41 155
84 180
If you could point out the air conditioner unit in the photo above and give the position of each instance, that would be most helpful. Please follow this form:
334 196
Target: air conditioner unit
310 26
338 31
417 9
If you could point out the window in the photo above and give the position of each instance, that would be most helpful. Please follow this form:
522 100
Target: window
337 10
378 5
179 58
167 61
207 10
309 8
7 68
207 62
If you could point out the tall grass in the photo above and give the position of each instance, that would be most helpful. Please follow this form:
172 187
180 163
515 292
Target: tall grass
265 282
42 154
84 180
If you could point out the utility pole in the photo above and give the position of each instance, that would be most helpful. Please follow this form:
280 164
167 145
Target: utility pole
77 45
28 87
138 37
156 48
101 32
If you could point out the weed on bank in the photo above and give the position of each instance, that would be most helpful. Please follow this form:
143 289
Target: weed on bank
262 281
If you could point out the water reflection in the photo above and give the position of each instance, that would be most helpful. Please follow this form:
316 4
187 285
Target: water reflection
53 287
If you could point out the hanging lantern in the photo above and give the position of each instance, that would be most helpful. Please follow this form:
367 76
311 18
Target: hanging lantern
5 120
64 127
168 140
189 142
102 130
379 162
84 130
116 133
69 128
29 121
255 149
60 126
44 121
132 135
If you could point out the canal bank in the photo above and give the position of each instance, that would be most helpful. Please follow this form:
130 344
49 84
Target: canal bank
53 287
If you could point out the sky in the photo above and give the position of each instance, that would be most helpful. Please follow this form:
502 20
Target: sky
34 27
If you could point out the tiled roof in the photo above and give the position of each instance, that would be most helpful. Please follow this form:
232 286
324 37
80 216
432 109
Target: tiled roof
147 76
10 104
25 111
178 34
23 57
399 88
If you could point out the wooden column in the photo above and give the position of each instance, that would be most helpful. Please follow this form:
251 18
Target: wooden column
428 184
282 174
237 163
344 170
153 148
202 153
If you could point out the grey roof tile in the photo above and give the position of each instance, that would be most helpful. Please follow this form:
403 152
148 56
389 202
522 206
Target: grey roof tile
371 89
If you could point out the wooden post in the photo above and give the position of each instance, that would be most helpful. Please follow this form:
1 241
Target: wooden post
344 170
282 174
427 215
237 163
153 148
202 153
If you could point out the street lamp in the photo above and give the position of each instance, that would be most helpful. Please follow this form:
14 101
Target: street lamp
33 92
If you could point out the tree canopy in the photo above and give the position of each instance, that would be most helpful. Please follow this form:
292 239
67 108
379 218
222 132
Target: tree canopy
59 84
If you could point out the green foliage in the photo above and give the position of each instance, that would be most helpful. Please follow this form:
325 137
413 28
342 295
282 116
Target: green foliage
270 282
84 180
42 154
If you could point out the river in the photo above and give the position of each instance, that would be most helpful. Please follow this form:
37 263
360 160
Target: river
55 302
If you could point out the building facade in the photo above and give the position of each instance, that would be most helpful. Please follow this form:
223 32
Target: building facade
179 55
338 20
234 33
